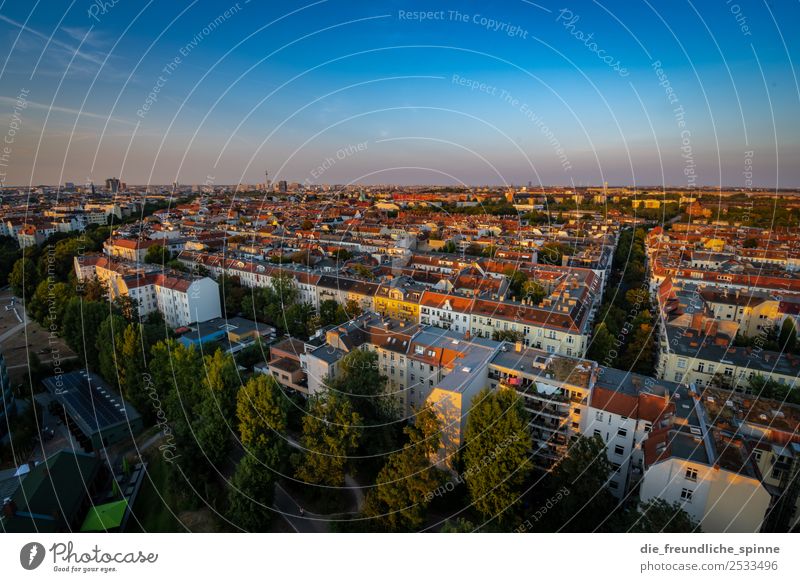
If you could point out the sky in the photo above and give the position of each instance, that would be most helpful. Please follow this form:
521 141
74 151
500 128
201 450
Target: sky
643 93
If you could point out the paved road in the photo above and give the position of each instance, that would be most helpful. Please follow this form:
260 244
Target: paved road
357 492
14 330
307 523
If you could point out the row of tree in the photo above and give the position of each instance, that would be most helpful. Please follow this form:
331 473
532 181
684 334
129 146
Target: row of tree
624 335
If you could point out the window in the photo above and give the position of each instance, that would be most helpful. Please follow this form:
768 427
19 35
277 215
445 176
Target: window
598 416
616 467
613 484
757 456
619 450
691 474
647 427
622 432
686 494
576 425
682 363
597 433
678 376
701 367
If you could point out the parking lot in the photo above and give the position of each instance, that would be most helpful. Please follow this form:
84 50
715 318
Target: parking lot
20 336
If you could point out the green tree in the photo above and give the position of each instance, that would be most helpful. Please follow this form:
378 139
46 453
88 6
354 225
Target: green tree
157 255
328 312
534 292
222 382
352 309
262 411
298 320
460 525
132 368
750 243
81 324
24 278
48 304
637 296
516 281
331 432
583 474
109 348
788 335
496 457
601 345
509 335
658 516
363 271
197 411
406 482
251 493
9 254
232 293
127 307
638 355
92 289
551 253
360 381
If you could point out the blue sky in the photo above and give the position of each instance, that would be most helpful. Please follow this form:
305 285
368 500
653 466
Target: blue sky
284 86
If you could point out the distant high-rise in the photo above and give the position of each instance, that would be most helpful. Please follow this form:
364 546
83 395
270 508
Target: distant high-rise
112 185
282 187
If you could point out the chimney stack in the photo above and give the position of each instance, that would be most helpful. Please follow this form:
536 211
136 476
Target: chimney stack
697 322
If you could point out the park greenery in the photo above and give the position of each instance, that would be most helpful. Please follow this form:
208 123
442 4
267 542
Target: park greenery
624 335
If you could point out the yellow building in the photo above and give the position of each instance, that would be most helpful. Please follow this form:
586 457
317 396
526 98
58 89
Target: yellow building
646 203
399 300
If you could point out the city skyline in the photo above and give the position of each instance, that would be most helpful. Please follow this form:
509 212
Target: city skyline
463 93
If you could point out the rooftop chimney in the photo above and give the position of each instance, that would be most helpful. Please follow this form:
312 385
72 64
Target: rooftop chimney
697 321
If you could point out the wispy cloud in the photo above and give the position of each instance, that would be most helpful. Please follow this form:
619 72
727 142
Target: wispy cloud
82 54
68 110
